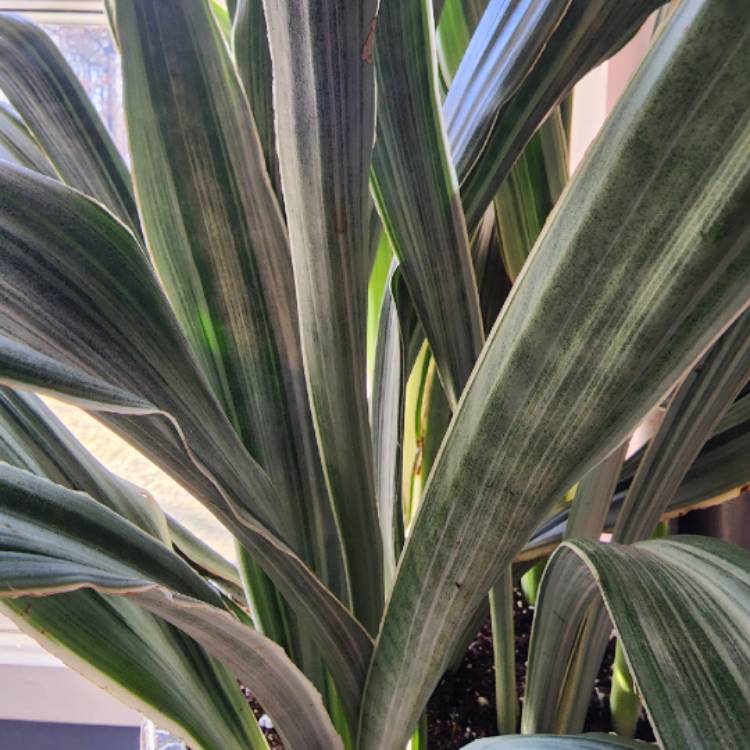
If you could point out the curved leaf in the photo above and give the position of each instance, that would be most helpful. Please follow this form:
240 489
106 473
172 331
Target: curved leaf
640 268
592 741
112 321
589 32
680 607
290 699
21 366
147 663
17 143
54 541
37 512
506 44
554 699
388 417
143 662
55 108
31 430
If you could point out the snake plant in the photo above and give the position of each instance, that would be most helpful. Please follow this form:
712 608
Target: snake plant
346 294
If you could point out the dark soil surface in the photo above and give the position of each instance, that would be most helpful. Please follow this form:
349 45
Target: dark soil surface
462 708
272 737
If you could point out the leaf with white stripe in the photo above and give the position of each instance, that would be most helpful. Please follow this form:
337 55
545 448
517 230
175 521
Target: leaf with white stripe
31 429
680 607
112 321
324 100
486 137
507 42
457 22
218 239
222 17
54 541
388 416
144 663
253 59
641 267
532 187
21 366
416 191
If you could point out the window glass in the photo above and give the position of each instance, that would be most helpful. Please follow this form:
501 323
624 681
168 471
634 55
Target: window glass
94 58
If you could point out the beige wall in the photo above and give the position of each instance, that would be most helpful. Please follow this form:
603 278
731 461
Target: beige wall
597 93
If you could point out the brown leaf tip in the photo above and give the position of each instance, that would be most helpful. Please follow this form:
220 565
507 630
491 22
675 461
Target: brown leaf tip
369 45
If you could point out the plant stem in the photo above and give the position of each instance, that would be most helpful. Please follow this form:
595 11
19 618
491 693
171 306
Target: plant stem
503 641
624 702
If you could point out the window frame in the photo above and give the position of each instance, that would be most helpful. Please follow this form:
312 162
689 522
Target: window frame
59 12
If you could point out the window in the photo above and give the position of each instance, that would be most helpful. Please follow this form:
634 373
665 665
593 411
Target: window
79 29
93 56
